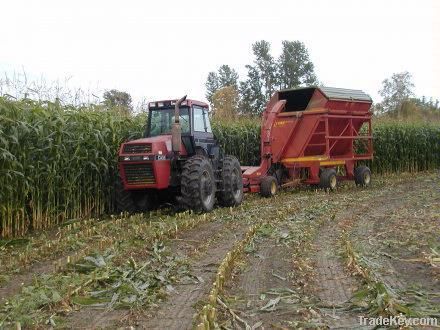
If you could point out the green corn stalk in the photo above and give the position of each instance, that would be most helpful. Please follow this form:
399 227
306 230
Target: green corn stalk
57 163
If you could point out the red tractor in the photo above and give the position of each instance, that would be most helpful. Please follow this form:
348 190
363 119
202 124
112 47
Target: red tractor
179 159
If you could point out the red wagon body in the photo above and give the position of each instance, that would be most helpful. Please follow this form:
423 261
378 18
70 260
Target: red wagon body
305 131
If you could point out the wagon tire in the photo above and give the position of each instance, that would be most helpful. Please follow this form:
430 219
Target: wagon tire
328 180
231 183
123 199
268 186
362 176
198 185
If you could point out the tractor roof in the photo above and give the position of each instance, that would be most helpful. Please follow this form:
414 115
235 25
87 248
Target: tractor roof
171 103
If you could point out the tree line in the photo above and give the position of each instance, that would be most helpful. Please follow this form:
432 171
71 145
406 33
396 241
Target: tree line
399 101
229 96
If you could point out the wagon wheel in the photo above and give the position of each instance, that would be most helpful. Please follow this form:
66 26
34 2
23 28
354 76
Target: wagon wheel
328 180
268 186
362 176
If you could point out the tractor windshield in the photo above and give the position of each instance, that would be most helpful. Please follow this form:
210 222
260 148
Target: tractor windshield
161 121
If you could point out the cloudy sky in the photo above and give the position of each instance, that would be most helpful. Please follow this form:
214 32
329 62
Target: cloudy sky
164 49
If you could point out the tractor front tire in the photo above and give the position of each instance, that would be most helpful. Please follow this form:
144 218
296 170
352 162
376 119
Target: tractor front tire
231 193
362 176
142 200
328 180
268 186
123 199
198 185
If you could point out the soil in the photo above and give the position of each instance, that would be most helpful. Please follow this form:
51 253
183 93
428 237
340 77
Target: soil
27 275
334 286
268 268
398 234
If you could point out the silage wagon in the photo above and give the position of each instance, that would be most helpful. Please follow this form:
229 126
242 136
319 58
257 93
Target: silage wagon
314 136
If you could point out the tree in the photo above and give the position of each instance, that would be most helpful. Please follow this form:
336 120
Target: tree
212 85
266 67
252 99
395 90
118 100
295 68
225 76
292 69
225 102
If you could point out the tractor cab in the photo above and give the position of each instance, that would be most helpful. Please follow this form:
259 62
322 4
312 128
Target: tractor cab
196 131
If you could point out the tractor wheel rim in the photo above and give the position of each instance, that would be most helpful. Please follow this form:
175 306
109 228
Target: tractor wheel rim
273 188
333 182
367 178
206 186
236 189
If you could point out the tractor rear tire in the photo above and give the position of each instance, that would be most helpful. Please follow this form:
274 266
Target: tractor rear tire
362 176
328 180
268 186
123 199
198 186
231 193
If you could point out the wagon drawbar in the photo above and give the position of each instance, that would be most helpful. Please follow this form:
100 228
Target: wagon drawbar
307 134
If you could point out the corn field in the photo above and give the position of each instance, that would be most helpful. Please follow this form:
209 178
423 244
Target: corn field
398 147
56 163
59 163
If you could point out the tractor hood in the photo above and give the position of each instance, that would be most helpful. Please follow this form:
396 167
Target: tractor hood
154 140
160 144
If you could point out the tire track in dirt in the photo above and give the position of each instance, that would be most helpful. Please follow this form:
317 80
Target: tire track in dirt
269 275
333 283
58 260
179 310
269 268
186 244
395 238
26 277
334 286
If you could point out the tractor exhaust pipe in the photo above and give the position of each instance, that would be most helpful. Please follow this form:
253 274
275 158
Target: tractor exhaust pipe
176 130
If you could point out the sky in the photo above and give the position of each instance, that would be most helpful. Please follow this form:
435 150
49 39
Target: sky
165 49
